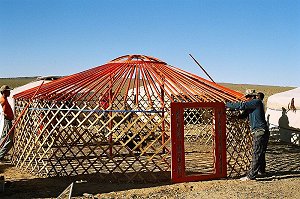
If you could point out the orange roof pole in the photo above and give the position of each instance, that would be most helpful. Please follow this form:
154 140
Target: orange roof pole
132 72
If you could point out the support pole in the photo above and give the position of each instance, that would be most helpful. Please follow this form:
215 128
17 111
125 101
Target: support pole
163 116
110 116
202 68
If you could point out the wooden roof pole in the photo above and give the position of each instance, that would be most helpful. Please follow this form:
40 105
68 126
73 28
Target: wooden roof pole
202 68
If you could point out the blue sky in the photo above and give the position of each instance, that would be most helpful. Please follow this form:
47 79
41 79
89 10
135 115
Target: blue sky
236 41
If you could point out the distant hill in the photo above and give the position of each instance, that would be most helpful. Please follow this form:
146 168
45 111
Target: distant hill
16 81
267 90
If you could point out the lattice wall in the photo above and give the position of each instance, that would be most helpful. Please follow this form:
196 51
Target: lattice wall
239 145
199 142
55 139
60 139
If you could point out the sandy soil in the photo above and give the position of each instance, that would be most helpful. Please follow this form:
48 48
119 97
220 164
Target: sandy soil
283 181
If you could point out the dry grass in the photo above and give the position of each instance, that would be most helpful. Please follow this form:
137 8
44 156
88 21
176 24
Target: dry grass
15 82
267 90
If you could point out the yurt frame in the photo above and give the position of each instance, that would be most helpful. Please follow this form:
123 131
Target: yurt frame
113 122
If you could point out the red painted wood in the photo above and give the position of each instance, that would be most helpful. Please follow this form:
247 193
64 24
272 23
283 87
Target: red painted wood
177 139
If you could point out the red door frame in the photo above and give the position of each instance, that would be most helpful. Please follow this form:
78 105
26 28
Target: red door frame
177 139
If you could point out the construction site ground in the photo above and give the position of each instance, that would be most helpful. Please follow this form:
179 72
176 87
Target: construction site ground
282 181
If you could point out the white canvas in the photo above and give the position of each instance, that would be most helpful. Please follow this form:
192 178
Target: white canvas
278 103
279 100
1 121
279 114
21 89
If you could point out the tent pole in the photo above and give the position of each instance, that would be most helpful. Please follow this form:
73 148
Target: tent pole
202 68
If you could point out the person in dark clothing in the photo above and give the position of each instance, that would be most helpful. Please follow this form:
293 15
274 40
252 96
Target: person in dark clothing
262 170
260 96
254 108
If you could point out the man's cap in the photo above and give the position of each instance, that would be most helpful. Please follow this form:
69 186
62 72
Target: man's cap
250 92
4 88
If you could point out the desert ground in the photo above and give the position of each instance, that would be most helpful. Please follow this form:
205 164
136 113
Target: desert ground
282 180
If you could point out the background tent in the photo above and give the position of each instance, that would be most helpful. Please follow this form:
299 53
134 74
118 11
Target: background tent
30 85
1 120
283 114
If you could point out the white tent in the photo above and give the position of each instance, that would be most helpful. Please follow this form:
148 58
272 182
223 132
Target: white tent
1 121
30 85
283 114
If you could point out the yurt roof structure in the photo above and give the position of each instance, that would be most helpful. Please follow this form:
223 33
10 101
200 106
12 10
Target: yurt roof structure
113 120
131 72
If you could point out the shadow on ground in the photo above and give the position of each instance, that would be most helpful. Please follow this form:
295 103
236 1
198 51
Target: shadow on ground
54 186
283 161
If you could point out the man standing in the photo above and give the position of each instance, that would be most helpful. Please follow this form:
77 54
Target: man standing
8 117
260 96
260 131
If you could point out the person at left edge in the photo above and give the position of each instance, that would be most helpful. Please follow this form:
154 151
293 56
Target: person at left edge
8 118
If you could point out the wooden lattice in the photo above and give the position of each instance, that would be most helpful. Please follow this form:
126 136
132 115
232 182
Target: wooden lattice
199 135
60 140
239 144
199 142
